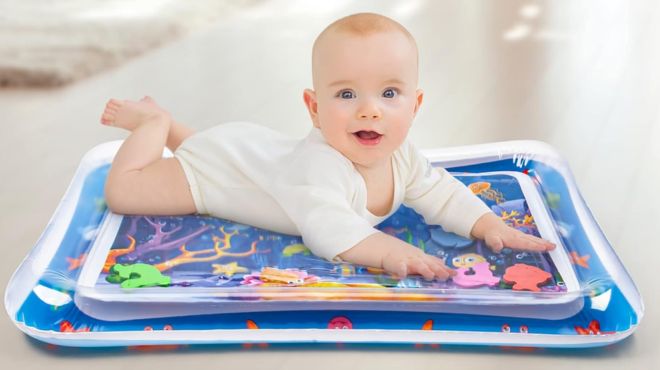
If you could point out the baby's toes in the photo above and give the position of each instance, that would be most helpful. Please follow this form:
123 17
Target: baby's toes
108 117
111 110
115 103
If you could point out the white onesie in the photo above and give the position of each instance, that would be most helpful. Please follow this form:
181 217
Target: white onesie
251 174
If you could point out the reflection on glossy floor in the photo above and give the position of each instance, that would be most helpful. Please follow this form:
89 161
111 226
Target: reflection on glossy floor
580 75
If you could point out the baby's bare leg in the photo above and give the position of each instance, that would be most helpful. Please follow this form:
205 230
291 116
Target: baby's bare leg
176 135
140 180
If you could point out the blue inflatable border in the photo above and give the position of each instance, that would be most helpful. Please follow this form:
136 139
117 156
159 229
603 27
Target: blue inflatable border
67 325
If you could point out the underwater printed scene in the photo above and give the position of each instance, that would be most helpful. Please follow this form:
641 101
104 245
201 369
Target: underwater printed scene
206 252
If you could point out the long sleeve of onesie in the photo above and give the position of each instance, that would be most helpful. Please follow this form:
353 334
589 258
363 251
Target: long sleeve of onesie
316 194
439 197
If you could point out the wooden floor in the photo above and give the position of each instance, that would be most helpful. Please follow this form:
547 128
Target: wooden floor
583 76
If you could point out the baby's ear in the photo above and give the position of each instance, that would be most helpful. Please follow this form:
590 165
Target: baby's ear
419 99
309 96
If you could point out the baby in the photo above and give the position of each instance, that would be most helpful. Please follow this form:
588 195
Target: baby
352 171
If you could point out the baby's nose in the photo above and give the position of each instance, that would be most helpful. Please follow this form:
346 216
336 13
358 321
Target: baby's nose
369 110
372 116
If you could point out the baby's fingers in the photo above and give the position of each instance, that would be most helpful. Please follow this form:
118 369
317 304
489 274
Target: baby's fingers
400 270
494 242
546 245
522 241
418 266
438 267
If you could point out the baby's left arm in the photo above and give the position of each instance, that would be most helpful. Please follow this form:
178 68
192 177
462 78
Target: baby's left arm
498 235
445 201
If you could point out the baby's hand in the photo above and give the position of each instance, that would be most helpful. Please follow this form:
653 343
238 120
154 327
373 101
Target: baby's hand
498 235
396 257
408 260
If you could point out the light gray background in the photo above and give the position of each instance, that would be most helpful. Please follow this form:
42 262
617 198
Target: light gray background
583 76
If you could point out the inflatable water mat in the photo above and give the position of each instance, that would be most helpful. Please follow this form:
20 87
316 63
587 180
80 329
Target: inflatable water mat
97 279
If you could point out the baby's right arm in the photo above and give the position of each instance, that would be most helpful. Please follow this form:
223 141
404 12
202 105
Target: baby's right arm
315 189
397 257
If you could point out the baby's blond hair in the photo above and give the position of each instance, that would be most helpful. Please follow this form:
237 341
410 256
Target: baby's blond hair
366 23
361 24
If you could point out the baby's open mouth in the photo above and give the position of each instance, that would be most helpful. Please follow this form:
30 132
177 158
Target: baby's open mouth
368 137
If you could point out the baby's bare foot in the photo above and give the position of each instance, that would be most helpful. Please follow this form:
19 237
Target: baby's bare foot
129 114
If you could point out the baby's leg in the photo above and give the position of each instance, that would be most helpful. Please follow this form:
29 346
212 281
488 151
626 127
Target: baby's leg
177 134
140 180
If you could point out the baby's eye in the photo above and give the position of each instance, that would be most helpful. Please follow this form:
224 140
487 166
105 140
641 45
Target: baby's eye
390 93
346 94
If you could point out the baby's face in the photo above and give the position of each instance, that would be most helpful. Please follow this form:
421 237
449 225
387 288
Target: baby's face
365 94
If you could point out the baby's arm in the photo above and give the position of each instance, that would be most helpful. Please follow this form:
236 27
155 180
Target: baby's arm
396 257
401 259
443 200
498 235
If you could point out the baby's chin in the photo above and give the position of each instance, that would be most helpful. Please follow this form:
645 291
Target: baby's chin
369 158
